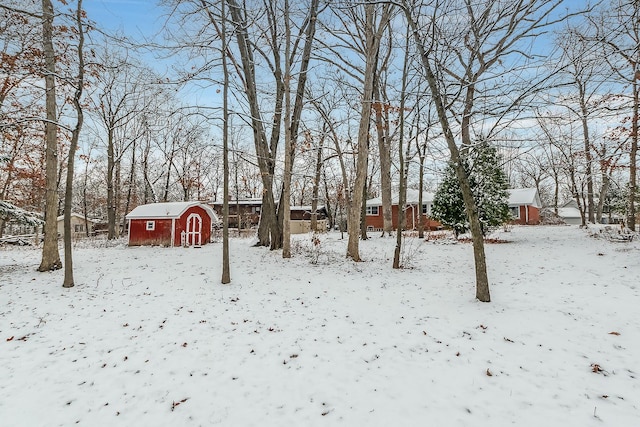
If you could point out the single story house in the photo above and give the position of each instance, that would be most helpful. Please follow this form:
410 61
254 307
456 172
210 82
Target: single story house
413 212
525 205
247 210
80 226
171 224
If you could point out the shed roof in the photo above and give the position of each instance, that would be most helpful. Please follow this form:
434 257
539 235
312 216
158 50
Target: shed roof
167 210
524 196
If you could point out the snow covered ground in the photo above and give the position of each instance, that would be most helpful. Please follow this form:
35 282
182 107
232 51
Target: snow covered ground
149 336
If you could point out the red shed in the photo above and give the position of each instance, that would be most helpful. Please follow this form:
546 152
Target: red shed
167 224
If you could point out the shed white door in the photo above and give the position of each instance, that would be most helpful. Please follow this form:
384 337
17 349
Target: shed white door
194 230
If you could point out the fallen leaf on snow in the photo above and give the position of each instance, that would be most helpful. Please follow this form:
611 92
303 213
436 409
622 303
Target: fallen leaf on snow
174 404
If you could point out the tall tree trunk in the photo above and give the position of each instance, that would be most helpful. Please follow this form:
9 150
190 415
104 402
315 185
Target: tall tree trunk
403 166
117 197
576 195
268 229
372 47
111 202
384 151
226 270
132 177
316 187
50 254
85 208
421 148
68 281
167 181
363 215
587 153
633 154
288 142
482 279
604 189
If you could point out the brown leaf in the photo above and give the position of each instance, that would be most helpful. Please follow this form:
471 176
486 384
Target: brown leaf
489 374
174 404
10 338
614 333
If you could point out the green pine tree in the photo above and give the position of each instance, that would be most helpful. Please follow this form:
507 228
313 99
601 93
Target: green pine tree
489 185
448 206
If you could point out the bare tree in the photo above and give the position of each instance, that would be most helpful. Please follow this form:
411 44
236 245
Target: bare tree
403 164
119 101
50 254
377 18
289 143
382 109
68 281
588 77
618 32
226 270
464 60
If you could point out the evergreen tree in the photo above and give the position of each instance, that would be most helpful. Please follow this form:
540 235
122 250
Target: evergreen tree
489 185
448 206
9 211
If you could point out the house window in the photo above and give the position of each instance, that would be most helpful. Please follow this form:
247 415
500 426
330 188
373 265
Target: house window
425 209
78 228
515 211
372 210
151 225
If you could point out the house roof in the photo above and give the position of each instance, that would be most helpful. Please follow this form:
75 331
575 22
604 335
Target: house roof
305 208
524 196
412 198
167 210
77 215
517 197
254 201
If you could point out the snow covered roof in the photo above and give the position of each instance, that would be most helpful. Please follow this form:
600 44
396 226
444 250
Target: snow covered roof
167 210
254 201
569 212
77 215
412 198
305 208
524 196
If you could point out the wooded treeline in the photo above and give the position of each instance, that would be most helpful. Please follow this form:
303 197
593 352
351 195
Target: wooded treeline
326 103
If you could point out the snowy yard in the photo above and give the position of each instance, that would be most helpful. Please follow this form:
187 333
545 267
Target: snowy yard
149 336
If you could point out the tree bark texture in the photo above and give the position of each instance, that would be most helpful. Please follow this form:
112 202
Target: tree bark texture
50 254
482 280
372 46
68 281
